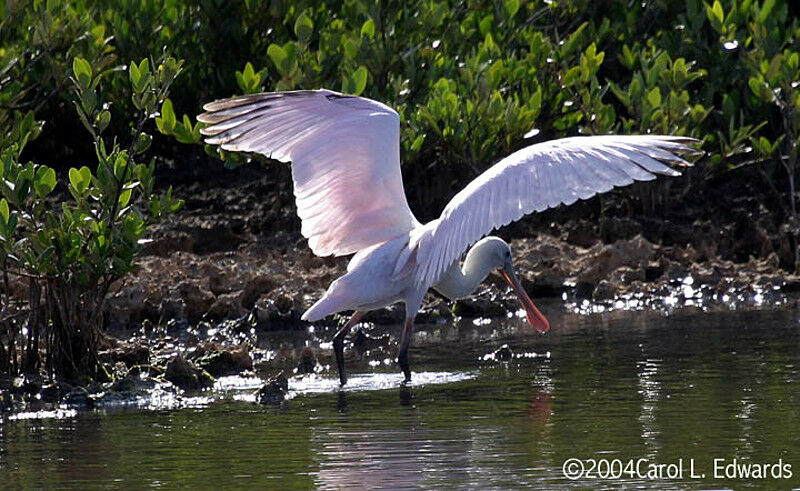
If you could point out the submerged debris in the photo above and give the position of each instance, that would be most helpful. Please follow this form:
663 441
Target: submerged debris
78 398
219 361
308 361
274 391
186 375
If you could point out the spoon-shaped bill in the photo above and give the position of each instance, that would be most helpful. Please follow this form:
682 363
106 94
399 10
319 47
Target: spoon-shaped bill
535 318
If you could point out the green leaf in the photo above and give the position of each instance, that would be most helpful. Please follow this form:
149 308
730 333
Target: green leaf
303 28
248 72
766 9
166 123
120 165
142 143
248 80
417 144
511 7
80 178
12 224
249 77
45 181
760 89
571 76
86 175
124 198
717 10
102 120
571 43
83 71
628 58
654 97
356 82
75 178
278 56
139 76
716 15
368 29
536 102
144 67
134 74
350 48
4 211
486 24
729 106
764 146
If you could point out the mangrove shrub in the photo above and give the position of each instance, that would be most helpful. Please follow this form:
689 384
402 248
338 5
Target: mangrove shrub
72 247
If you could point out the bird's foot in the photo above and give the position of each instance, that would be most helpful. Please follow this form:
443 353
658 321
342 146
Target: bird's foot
338 349
407 373
403 362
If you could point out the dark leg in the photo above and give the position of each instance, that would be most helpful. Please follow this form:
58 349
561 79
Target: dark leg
402 353
338 343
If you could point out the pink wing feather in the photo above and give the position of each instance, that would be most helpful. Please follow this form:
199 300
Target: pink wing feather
345 154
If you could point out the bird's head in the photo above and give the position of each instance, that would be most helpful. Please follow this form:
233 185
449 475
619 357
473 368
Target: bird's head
498 254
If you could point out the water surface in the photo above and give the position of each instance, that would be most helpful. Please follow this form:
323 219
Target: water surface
621 386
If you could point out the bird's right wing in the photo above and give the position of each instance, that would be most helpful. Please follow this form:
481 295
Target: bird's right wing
535 178
345 154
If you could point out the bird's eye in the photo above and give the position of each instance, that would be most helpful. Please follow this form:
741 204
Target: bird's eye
508 253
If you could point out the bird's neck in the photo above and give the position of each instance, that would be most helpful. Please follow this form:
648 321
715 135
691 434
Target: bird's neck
460 281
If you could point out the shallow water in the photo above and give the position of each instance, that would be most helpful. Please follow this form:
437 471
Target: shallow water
614 387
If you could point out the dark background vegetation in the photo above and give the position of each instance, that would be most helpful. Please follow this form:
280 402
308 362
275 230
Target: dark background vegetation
472 81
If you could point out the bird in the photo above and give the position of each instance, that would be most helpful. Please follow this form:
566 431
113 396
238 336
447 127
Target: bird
344 152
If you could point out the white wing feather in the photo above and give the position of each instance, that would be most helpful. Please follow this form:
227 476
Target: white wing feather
345 154
535 178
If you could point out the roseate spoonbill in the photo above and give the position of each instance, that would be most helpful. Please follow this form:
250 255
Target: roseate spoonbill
345 155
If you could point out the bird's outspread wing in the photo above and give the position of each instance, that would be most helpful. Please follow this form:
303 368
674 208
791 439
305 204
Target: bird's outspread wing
538 177
345 154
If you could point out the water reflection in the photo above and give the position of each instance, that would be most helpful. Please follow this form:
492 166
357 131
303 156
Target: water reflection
414 452
406 396
619 386
541 407
649 389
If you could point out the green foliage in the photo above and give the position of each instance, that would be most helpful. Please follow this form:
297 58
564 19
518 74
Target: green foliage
657 97
249 80
74 249
469 78
183 131
472 79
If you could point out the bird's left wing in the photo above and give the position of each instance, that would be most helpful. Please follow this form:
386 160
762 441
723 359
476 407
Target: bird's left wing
345 154
538 177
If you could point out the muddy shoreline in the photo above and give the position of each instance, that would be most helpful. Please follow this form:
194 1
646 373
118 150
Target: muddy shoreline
235 249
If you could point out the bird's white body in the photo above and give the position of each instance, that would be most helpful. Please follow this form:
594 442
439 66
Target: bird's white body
371 282
345 155
358 289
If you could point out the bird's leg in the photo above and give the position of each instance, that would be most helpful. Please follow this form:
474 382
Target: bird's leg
338 343
402 353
